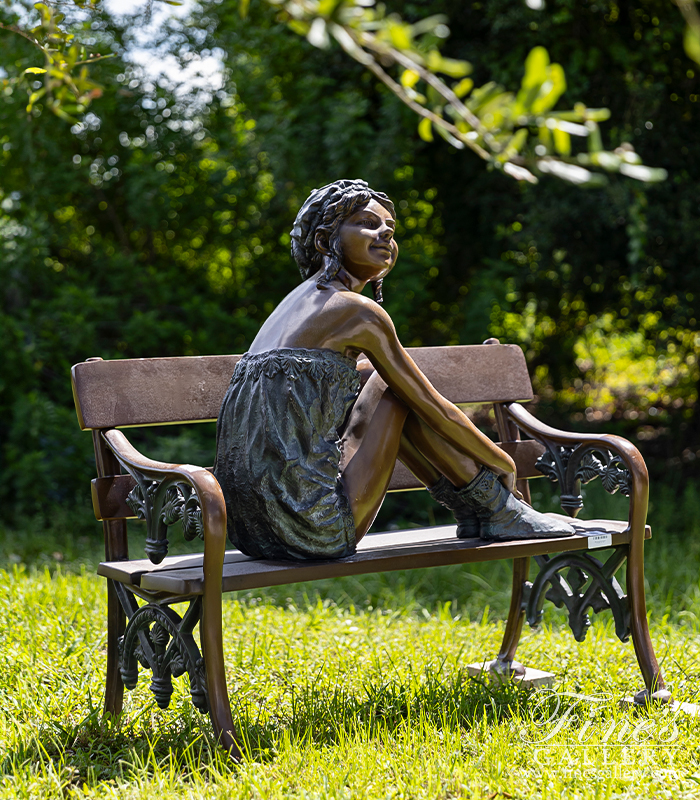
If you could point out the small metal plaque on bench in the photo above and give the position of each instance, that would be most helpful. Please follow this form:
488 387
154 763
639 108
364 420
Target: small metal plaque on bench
600 540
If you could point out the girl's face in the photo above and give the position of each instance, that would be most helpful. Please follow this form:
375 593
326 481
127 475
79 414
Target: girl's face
367 242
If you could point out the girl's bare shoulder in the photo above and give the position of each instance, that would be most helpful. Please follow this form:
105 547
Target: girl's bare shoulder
357 305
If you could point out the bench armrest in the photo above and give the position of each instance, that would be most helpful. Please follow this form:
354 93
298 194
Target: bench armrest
168 493
575 458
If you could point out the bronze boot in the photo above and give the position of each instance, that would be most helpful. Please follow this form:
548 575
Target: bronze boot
468 526
503 517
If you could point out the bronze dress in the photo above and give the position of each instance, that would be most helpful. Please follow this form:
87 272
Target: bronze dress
278 454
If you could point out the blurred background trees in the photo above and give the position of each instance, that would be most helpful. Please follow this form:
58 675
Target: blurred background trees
156 221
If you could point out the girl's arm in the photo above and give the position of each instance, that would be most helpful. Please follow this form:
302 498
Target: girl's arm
375 335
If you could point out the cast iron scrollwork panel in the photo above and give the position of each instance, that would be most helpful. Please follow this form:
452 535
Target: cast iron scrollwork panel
160 640
161 505
572 466
589 584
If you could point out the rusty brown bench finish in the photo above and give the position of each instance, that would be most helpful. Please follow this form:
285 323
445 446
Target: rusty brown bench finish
110 395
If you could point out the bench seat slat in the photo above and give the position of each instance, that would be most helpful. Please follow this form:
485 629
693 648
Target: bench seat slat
392 550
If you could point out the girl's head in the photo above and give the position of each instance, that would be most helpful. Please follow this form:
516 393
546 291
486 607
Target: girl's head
324 211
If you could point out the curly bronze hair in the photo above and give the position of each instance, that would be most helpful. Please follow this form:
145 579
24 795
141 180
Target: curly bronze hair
326 209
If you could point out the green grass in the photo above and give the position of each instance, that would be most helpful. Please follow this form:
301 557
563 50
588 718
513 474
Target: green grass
350 688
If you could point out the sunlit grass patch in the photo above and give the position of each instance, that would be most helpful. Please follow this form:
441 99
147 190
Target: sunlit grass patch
354 687
337 700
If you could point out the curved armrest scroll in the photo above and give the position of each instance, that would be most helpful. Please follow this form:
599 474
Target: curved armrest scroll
575 458
168 493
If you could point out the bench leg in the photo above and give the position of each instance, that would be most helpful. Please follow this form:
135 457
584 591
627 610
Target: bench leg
210 628
219 704
516 616
590 585
655 687
116 548
116 623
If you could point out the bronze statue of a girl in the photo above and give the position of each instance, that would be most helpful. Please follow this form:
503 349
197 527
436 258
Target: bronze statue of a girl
305 449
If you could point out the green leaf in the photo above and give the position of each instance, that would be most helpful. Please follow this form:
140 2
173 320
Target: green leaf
243 8
536 65
59 112
409 78
72 55
302 28
425 130
571 173
318 35
581 114
34 71
463 87
449 66
598 114
630 157
34 97
519 173
641 173
562 142
516 143
434 97
327 7
428 24
484 95
604 159
400 35
449 138
551 90
595 143
495 112
691 43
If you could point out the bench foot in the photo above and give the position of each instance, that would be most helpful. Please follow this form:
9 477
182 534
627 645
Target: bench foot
516 614
661 697
499 672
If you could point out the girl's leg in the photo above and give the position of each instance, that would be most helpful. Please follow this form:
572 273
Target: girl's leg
370 445
380 429
421 442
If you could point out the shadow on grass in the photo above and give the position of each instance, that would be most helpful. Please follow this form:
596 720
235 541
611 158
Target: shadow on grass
103 749
329 715
97 749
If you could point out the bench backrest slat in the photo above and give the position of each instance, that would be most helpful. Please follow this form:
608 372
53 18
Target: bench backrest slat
161 391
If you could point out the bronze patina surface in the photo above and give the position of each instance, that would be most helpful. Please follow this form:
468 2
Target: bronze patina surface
146 631
279 463
303 456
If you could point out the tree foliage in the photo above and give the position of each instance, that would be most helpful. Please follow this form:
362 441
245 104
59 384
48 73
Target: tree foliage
64 86
158 224
518 132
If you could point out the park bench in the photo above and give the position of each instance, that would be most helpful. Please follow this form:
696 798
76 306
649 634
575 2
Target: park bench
144 629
